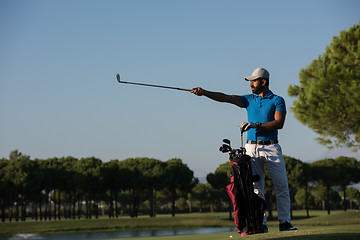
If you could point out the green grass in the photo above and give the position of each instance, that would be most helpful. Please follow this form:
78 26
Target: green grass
344 232
338 225
181 221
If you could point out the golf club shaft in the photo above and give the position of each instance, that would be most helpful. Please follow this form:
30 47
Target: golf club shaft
151 85
242 140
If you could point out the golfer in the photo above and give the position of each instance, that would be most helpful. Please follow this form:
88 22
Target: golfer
266 115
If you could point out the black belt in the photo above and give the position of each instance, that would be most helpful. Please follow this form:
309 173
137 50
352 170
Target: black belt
261 142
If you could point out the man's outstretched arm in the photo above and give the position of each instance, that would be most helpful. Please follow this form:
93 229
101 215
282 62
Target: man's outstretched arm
218 96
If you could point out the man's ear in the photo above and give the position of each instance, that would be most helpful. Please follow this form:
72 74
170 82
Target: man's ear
263 82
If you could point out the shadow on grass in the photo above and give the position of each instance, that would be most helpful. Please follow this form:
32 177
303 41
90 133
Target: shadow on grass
293 218
274 218
331 236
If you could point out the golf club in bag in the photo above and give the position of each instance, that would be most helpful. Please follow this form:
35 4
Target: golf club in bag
248 207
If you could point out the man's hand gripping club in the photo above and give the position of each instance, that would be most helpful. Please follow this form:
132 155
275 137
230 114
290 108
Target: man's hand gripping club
245 126
197 91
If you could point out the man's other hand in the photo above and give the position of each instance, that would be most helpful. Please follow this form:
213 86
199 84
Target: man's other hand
245 126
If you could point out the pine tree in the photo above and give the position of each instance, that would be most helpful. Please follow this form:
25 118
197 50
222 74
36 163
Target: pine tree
328 98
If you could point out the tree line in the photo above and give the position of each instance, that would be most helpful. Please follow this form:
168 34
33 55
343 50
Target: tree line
74 188
71 188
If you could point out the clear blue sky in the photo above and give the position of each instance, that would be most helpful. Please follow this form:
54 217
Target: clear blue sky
58 61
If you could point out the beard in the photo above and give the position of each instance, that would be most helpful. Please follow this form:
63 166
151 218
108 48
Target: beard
257 90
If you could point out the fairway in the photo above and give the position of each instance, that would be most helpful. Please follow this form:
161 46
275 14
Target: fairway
344 232
320 225
181 221
339 225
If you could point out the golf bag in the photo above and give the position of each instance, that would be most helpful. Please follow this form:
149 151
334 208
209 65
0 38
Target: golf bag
248 207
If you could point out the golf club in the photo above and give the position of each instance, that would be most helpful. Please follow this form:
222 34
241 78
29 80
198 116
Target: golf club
227 141
151 85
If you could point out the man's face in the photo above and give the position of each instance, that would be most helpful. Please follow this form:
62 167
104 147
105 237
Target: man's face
256 86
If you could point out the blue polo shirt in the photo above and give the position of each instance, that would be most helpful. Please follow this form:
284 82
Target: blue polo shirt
262 110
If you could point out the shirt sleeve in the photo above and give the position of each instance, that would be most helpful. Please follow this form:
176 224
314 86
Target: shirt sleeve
245 100
280 105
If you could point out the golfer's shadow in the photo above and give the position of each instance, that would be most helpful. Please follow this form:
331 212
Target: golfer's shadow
347 236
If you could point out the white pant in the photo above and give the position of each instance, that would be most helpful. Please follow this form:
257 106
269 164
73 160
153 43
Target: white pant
271 156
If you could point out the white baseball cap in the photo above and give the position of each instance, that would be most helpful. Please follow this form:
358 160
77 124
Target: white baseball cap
258 73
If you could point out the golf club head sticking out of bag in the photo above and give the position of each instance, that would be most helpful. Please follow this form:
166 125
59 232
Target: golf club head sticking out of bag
235 155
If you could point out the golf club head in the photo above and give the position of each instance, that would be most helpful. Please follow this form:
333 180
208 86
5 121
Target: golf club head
225 148
118 77
227 141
